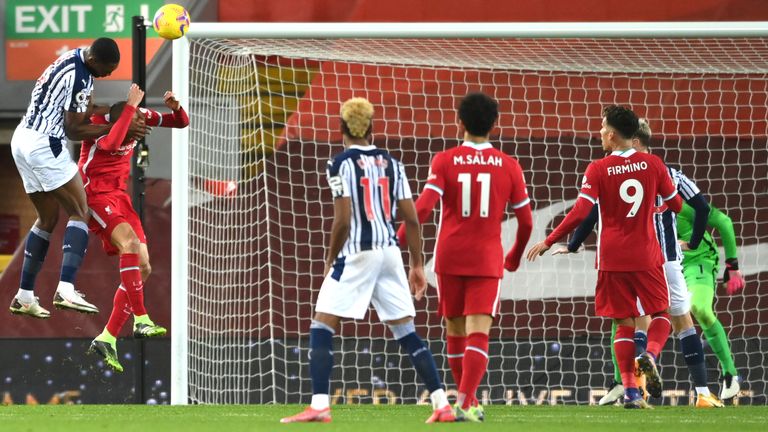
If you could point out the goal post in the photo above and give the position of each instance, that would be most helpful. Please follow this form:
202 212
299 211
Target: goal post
251 212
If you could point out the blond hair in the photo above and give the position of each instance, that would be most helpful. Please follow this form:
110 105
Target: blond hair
643 133
357 114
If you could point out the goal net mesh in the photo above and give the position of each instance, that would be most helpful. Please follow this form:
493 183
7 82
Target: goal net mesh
264 121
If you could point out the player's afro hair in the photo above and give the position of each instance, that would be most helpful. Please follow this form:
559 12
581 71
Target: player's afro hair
105 51
356 115
623 119
479 113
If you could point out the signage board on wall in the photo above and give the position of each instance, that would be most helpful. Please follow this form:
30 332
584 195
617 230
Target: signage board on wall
38 31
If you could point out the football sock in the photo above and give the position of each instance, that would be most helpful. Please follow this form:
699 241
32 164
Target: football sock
130 277
616 371
718 341
624 345
474 367
142 319
75 244
104 336
641 342
455 346
35 249
420 355
320 362
121 311
658 333
694 356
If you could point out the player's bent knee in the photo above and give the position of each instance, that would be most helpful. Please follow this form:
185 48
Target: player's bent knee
704 316
146 270
129 245
47 223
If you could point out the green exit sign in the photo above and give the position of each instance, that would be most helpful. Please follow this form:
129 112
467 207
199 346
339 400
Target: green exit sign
90 19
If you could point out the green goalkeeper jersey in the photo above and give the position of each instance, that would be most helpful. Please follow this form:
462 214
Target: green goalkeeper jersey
707 250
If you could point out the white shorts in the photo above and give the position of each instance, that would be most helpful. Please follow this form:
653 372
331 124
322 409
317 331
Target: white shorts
375 276
679 296
43 161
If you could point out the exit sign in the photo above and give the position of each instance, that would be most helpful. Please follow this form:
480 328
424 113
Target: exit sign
38 31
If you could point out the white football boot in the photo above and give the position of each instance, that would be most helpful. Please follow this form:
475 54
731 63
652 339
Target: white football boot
67 298
731 386
32 309
615 393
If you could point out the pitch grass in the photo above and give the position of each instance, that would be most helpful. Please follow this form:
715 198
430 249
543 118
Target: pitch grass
374 418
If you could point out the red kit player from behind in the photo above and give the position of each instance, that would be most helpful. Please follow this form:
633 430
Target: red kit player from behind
105 165
474 183
630 278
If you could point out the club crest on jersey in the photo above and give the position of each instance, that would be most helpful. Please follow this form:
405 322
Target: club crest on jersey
477 159
107 210
366 161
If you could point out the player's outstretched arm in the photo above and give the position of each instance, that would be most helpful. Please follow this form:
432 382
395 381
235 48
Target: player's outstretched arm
416 277
578 213
582 231
177 118
734 280
524 228
77 127
120 129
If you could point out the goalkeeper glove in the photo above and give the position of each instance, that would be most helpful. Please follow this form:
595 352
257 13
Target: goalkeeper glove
734 282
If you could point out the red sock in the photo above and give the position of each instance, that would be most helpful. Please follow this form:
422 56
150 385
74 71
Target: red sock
624 347
658 333
474 367
130 276
121 311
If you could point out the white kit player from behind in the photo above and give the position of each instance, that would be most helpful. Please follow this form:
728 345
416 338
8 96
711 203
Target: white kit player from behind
363 264
59 110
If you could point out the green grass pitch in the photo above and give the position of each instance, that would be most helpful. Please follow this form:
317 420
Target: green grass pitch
374 418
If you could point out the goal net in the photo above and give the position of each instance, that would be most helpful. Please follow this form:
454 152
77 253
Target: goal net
252 210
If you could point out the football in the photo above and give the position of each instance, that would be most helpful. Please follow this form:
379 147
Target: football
171 21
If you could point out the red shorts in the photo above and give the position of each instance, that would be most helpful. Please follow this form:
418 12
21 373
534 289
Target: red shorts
467 295
631 294
110 210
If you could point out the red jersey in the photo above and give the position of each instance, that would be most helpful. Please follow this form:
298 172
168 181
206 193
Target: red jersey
475 182
105 163
626 184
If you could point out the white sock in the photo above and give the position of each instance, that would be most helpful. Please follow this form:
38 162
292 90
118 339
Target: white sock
320 401
439 399
26 296
65 288
702 391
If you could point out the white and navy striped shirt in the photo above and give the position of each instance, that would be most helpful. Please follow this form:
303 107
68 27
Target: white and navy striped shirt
375 182
665 223
66 85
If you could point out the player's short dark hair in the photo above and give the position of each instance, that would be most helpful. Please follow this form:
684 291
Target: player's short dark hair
478 112
623 119
116 110
105 51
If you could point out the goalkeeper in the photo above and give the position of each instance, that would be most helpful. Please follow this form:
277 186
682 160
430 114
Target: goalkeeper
700 267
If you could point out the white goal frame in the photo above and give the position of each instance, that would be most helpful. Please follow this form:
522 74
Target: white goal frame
180 86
